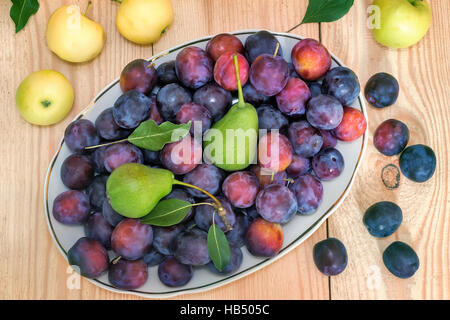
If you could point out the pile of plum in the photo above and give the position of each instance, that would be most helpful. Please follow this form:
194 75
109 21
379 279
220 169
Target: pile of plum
308 103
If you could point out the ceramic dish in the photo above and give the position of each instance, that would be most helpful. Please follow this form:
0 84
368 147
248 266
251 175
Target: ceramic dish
295 232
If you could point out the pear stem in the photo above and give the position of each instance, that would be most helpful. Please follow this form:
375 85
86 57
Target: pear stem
118 1
87 8
220 209
276 49
241 102
105 144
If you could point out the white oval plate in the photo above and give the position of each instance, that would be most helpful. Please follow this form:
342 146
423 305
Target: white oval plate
295 232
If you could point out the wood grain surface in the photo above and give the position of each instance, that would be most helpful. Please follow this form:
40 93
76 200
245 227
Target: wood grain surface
32 268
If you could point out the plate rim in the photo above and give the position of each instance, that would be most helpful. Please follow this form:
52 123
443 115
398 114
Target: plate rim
236 276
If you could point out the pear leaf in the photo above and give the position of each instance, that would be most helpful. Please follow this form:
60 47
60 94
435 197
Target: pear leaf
218 247
167 213
153 137
21 11
326 10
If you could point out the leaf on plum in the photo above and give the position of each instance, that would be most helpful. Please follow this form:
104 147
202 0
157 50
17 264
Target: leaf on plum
21 11
153 137
326 10
218 247
167 213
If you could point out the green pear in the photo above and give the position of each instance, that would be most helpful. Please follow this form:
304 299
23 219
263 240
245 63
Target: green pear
231 143
134 189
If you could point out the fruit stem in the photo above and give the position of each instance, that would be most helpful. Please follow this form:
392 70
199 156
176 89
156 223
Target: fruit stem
218 206
118 1
276 49
241 102
116 260
87 8
105 144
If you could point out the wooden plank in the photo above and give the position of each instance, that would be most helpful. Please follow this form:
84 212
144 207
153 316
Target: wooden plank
32 268
423 104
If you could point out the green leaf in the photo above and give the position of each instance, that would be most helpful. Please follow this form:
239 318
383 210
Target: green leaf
326 10
153 137
167 213
21 11
218 247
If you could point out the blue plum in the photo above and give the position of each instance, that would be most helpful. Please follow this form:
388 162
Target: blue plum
90 257
128 275
341 83
383 218
191 247
418 162
391 137
330 256
328 164
401 260
173 273
276 203
131 239
99 229
381 90
71 207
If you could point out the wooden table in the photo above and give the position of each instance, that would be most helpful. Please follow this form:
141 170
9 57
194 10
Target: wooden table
32 268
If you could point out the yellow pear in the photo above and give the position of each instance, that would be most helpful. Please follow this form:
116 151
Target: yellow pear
72 36
144 21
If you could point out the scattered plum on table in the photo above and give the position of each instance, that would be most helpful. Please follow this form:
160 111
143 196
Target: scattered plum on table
330 256
381 90
401 260
391 137
383 218
418 162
